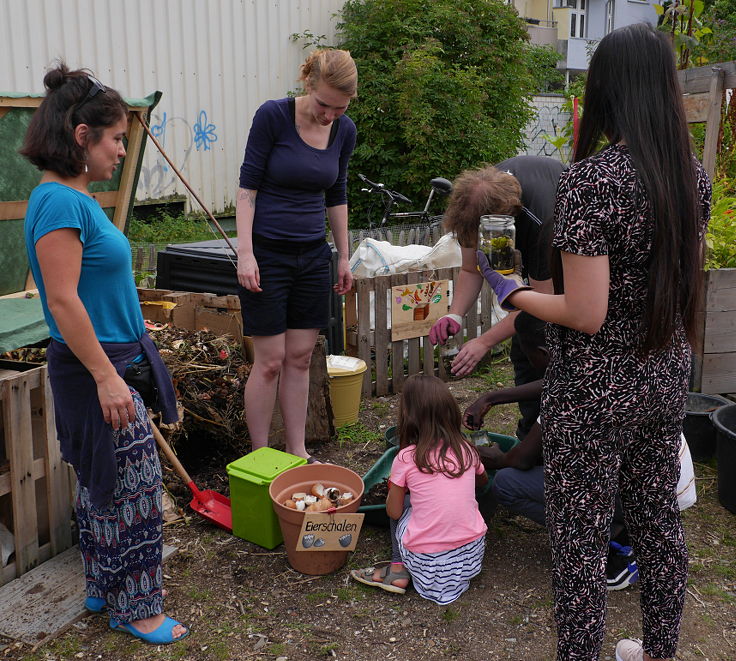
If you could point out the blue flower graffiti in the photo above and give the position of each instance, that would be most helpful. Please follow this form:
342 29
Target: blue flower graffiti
204 132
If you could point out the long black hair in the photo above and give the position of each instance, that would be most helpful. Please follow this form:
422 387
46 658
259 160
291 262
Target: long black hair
633 95
72 98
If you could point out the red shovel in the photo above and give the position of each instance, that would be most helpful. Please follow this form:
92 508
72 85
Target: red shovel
211 505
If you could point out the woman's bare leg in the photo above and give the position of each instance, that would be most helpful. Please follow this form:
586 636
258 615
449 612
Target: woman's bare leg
294 387
262 385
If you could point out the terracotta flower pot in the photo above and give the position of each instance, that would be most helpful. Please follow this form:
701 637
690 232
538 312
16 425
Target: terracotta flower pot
302 478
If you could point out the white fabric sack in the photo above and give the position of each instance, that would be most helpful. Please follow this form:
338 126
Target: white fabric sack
7 545
686 494
373 257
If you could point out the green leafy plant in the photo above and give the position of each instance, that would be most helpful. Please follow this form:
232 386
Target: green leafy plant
721 235
444 85
171 229
720 44
682 20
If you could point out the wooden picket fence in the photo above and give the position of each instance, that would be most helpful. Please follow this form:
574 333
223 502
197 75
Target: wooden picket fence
368 331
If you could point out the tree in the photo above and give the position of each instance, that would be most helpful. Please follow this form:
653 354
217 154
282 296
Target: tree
444 85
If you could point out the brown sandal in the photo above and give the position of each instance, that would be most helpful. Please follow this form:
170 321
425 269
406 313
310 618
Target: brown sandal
365 576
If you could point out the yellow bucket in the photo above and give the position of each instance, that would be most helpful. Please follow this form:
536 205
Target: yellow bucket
346 383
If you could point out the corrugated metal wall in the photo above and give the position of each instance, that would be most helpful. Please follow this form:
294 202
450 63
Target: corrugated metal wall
215 61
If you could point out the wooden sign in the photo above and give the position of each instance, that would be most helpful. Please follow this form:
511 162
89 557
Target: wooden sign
329 532
415 307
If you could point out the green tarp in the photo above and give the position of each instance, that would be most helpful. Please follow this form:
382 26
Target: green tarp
21 323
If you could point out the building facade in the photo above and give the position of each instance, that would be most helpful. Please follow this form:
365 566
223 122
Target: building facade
575 26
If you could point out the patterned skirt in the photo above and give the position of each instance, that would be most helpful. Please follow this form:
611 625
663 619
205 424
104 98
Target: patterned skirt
443 576
122 544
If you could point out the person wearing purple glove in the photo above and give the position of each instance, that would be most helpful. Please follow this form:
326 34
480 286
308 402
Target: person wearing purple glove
627 266
503 286
523 187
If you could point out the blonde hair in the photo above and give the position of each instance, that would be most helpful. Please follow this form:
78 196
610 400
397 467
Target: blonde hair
476 193
334 67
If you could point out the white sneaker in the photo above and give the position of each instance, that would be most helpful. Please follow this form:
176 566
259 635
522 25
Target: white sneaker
629 649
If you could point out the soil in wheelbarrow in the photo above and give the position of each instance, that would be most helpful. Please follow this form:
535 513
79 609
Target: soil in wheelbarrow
244 602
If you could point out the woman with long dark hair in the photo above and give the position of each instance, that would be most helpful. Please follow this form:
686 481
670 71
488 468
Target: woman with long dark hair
627 269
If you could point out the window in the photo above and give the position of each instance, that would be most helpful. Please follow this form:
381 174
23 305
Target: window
610 15
573 18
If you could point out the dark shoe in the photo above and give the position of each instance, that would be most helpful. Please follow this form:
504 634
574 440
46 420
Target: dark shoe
621 568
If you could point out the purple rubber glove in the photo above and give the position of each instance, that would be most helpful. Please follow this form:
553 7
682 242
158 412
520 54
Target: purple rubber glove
503 286
445 326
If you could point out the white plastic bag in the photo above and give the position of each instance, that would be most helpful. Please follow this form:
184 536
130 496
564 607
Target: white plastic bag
686 494
374 257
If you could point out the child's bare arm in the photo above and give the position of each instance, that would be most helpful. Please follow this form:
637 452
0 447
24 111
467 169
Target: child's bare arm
395 500
481 480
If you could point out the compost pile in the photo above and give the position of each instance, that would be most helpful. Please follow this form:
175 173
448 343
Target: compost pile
377 494
209 374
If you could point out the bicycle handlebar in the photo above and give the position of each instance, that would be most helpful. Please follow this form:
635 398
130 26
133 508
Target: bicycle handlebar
380 188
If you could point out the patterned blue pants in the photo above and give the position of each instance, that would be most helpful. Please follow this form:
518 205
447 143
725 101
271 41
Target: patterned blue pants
122 544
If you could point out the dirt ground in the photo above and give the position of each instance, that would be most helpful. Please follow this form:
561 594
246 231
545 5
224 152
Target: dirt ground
244 602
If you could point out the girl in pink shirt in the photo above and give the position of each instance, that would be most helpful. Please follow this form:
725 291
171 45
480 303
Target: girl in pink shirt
437 536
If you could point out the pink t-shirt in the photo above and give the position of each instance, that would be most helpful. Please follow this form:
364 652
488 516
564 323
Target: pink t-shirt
444 510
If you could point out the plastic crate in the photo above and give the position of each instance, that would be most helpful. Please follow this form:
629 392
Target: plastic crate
375 515
250 476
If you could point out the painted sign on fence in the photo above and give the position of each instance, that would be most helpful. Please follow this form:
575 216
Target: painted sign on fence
415 307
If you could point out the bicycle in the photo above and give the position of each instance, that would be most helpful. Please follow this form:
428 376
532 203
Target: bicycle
439 186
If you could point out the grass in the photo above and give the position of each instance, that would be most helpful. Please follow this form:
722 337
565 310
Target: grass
450 614
356 433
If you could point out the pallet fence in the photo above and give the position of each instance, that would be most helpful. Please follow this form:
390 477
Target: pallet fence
35 484
368 331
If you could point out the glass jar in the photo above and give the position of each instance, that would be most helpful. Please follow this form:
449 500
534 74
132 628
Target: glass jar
497 240
448 353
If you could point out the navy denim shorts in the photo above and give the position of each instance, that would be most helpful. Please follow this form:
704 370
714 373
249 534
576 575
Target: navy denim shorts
296 284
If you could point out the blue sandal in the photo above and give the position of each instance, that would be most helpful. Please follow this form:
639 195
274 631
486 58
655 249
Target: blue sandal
95 604
160 636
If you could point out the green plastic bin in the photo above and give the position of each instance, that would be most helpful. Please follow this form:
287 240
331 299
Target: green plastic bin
375 515
250 476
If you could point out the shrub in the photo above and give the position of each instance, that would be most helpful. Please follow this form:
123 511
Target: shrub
444 85
721 235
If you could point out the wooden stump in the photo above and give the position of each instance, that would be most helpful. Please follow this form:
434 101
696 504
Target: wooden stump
320 426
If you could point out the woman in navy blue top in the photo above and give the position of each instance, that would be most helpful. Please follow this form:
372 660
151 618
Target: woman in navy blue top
293 177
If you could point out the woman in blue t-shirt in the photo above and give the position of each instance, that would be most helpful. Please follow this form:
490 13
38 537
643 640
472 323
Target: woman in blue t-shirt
81 264
293 176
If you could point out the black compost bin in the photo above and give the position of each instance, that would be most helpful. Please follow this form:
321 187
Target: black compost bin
698 428
724 420
209 266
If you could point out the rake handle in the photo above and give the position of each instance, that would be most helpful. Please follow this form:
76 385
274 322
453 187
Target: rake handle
186 183
173 459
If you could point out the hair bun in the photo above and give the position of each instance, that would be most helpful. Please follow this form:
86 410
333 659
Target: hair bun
56 77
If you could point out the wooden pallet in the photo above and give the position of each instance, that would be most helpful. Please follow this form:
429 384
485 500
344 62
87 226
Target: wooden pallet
46 601
36 485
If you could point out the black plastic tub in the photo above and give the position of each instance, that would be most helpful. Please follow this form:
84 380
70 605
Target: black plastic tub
698 428
724 420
